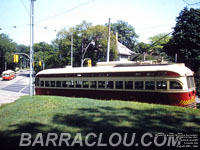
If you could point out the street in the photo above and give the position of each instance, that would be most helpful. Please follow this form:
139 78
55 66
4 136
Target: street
13 89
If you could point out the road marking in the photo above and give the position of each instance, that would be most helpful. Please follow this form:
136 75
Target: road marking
23 88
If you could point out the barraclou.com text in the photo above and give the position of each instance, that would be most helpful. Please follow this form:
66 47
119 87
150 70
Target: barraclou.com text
115 139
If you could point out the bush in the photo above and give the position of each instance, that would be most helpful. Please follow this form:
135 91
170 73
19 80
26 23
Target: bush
197 81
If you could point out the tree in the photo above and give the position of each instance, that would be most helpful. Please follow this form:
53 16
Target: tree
142 47
82 35
45 52
185 38
23 49
99 34
126 33
157 43
7 48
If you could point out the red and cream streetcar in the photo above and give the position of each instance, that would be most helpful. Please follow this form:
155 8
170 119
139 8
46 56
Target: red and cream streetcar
170 84
8 75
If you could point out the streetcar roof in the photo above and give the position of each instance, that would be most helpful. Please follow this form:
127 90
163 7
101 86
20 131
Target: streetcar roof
180 69
8 71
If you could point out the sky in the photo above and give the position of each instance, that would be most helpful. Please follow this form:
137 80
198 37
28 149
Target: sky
148 17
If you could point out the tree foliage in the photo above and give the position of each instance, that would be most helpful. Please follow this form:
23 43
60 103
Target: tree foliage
154 49
82 35
160 40
58 53
7 47
157 43
45 53
126 33
142 47
185 38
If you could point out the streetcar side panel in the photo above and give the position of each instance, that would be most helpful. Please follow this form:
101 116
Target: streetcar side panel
161 90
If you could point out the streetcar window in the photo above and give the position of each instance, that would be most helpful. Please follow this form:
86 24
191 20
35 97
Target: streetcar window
78 84
190 82
128 84
101 84
37 81
64 83
42 83
161 84
53 83
46 83
85 84
139 85
175 85
6 75
119 84
71 84
110 84
149 85
93 84
58 83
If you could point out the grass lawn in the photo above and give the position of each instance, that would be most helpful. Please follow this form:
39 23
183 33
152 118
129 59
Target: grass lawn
48 114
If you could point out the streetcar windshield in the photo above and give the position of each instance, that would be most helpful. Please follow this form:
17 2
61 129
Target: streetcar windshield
5 75
190 82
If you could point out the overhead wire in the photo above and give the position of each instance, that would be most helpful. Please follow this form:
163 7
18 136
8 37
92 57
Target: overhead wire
47 17
45 27
189 4
67 11
153 44
25 7
13 26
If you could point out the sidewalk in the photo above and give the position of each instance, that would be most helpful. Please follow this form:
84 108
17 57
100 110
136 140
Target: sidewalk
9 97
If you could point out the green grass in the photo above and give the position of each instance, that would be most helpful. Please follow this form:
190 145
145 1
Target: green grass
45 114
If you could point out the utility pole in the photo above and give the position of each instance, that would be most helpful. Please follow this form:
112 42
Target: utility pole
43 63
5 66
32 89
108 45
176 58
72 50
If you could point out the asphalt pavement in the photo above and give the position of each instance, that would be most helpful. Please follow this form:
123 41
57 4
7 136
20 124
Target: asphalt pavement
11 90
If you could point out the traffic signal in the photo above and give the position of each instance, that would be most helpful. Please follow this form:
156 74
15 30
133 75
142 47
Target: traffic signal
16 58
89 63
40 63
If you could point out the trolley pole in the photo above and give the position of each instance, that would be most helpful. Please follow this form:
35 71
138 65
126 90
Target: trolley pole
32 48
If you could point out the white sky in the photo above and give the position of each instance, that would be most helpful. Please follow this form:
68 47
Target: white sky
148 17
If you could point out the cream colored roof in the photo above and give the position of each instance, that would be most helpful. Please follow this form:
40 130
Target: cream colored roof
7 71
178 68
